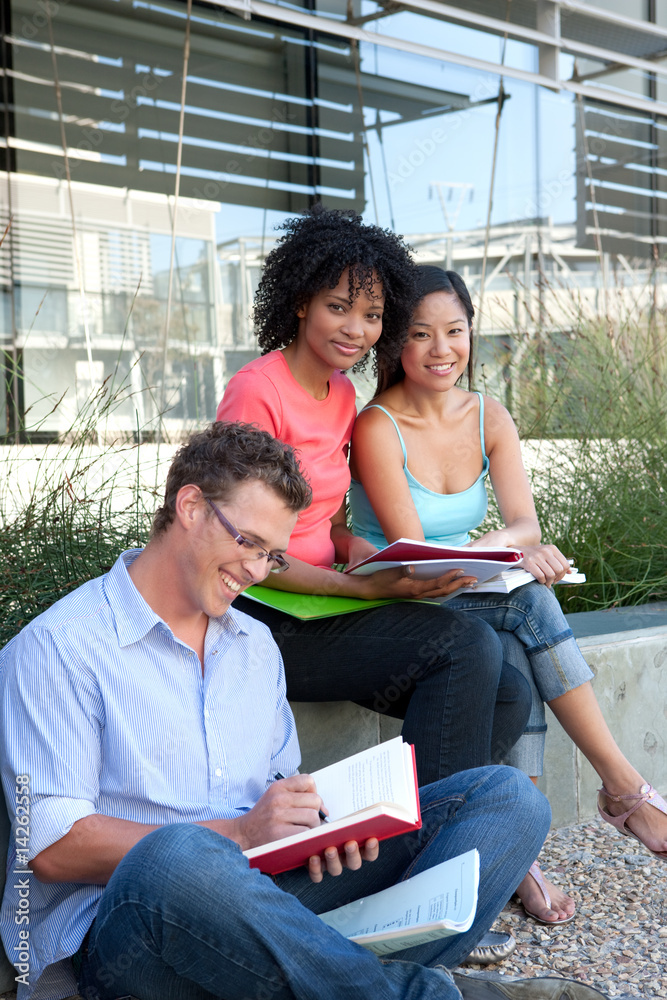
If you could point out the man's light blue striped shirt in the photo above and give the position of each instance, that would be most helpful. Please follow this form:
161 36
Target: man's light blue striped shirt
108 712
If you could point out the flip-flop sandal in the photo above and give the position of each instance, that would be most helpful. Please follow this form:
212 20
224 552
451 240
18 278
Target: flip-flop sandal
646 793
536 873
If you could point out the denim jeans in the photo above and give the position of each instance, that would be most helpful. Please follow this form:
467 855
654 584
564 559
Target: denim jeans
184 917
550 660
439 670
528 752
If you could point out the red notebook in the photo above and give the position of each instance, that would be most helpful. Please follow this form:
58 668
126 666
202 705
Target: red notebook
371 794
430 561
405 550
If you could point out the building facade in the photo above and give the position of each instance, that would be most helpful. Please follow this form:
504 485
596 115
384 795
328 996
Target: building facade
151 147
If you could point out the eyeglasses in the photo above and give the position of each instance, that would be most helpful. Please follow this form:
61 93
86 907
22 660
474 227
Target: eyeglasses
252 549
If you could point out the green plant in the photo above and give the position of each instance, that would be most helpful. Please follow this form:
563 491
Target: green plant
590 403
67 510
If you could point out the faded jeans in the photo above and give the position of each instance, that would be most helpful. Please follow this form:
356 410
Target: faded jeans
546 654
184 917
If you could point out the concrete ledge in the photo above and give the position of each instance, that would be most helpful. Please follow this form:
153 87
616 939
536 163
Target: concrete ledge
625 648
333 730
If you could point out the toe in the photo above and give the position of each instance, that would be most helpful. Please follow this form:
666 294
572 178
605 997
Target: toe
560 906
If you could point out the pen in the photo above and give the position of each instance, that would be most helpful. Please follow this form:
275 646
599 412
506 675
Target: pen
323 817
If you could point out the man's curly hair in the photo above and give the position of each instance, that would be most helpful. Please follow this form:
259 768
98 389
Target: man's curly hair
315 250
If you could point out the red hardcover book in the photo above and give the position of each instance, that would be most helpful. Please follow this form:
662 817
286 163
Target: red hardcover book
407 550
371 794
431 560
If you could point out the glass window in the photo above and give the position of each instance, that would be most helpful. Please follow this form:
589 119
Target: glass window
573 188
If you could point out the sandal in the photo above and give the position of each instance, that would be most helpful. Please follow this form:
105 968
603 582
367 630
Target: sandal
536 873
646 793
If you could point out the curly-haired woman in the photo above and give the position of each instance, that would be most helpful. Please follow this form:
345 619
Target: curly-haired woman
332 289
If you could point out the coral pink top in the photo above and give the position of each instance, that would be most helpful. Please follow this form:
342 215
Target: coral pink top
265 392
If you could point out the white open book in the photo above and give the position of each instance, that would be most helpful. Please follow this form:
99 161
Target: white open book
431 905
510 579
374 793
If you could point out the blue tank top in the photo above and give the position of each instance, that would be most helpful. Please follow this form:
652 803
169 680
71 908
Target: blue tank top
446 518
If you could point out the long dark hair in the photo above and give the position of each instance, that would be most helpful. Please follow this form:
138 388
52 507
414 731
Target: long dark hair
430 278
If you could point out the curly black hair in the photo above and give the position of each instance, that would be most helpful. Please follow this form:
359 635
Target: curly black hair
315 250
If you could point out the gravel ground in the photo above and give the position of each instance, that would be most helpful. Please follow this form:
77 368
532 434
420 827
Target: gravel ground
618 941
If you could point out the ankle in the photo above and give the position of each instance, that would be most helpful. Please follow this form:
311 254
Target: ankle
622 784
625 796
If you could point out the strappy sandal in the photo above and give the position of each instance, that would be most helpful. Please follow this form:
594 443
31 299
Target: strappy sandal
536 873
646 793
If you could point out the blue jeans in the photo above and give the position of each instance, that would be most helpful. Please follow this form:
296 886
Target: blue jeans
184 917
439 670
550 659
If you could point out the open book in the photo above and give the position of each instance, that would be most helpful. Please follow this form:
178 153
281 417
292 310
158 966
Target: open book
431 560
436 903
510 579
371 794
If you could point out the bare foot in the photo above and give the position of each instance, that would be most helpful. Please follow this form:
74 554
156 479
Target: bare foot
648 823
543 900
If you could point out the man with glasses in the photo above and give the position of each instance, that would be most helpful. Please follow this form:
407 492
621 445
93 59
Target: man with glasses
147 722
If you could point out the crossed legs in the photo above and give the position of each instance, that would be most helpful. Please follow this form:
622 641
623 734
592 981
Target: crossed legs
184 918
550 660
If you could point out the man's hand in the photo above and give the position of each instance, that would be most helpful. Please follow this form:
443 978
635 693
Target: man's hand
289 806
334 863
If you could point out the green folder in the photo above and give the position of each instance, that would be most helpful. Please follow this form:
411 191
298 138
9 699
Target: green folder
306 606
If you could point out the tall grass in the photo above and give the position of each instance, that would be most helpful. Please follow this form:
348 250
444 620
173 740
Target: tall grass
591 404
68 510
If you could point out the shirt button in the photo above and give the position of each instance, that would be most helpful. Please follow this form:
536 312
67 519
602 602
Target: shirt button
206 713
218 772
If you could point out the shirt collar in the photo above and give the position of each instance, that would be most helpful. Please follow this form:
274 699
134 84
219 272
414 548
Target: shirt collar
134 618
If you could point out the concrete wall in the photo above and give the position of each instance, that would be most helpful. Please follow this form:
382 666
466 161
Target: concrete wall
630 667
631 686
